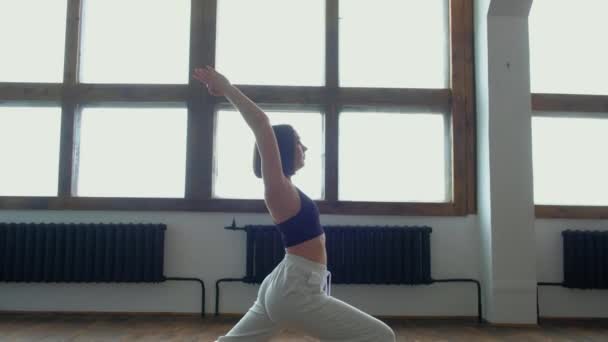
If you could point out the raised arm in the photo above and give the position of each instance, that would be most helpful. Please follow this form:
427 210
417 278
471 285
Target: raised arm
258 121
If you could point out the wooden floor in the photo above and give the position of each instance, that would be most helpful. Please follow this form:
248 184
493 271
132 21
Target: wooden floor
91 327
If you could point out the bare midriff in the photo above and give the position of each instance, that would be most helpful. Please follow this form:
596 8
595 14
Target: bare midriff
313 249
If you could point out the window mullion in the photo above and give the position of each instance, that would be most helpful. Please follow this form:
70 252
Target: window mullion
458 84
200 103
471 137
68 163
331 100
570 103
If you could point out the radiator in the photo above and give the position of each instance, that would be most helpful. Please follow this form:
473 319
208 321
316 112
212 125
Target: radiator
355 255
84 253
585 262
264 251
585 259
379 255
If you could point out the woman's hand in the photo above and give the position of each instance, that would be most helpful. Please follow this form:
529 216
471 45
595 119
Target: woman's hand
216 83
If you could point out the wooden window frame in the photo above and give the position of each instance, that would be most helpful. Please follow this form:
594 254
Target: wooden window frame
570 106
563 105
71 95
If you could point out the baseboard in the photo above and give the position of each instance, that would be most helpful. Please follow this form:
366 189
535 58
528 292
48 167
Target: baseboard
512 325
239 315
210 315
585 319
438 318
392 318
99 313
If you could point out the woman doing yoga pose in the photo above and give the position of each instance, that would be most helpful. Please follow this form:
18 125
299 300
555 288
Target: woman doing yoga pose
296 294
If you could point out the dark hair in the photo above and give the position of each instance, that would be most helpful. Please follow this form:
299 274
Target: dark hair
286 140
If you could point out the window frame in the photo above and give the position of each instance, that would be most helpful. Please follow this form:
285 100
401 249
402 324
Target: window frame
458 100
563 105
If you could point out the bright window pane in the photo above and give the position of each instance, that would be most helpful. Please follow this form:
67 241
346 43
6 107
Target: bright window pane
234 146
391 157
272 42
394 43
32 34
570 166
132 152
135 41
29 146
568 49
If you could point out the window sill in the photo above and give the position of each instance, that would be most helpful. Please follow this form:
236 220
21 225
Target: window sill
571 212
225 205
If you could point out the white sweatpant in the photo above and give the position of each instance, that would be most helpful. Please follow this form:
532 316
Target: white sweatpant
293 296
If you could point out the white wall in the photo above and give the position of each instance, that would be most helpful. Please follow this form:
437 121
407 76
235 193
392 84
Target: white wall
198 245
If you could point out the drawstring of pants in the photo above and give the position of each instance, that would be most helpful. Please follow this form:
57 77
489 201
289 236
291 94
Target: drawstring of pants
323 280
327 287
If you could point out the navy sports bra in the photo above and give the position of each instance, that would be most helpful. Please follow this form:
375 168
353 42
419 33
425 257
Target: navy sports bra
304 225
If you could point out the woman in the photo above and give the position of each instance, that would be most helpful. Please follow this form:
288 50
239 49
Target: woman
293 295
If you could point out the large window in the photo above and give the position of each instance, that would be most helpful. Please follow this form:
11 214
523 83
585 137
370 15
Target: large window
393 157
563 174
380 92
132 152
33 37
569 82
568 47
135 41
234 146
271 42
394 44
29 146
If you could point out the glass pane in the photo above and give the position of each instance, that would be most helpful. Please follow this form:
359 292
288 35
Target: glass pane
132 152
272 42
391 157
29 146
135 41
32 34
234 146
394 43
568 49
570 167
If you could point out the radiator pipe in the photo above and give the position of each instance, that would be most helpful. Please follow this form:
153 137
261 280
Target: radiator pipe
537 305
465 280
456 280
217 292
202 290
234 227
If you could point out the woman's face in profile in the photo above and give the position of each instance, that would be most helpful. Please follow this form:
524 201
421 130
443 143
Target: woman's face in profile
300 153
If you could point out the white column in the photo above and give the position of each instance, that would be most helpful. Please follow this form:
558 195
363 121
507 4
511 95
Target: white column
506 207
